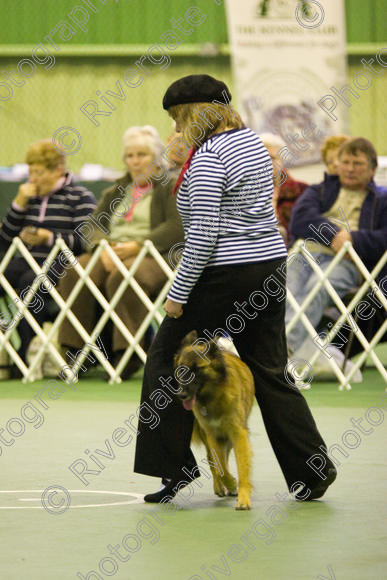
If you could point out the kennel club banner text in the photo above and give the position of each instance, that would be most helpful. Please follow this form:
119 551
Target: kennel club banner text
286 55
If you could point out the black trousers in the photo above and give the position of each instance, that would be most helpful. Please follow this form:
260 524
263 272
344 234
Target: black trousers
165 449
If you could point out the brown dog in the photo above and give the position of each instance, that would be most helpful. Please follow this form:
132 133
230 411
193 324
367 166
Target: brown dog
221 396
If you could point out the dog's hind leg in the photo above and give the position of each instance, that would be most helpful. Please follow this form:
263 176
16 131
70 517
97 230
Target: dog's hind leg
242 450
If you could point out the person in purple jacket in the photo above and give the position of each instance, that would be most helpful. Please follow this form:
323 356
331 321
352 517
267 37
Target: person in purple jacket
345 207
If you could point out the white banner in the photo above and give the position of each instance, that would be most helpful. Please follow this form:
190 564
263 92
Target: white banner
286 55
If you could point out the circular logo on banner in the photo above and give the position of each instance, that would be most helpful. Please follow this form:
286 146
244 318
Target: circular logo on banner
307 17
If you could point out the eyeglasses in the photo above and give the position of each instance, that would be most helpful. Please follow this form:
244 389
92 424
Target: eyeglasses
354 164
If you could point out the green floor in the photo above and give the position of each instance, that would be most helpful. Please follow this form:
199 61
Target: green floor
343 536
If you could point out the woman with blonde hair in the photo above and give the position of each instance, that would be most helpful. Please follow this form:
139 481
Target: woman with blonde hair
138 207
330 151
225 282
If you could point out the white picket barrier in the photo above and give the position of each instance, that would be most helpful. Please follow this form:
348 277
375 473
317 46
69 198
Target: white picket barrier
345 311
65 307
153 308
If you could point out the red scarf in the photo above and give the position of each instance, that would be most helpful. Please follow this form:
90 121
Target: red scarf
183 171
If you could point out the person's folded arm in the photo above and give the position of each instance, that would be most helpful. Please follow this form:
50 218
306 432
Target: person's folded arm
307 212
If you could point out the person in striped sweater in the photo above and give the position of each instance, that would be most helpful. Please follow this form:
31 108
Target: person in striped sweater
225 285
49 206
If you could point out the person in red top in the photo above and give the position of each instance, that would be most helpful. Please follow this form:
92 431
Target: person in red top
286 189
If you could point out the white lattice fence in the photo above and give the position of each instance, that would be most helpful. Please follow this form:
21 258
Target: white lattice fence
44 284
345 311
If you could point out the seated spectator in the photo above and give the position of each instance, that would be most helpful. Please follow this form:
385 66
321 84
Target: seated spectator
153 216
286 189
330 150
49 206
345 207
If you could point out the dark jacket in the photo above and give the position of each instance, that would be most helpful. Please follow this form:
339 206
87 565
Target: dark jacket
166 228
369 241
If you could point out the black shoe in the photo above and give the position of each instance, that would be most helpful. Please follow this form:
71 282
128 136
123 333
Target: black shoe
321 487
167 491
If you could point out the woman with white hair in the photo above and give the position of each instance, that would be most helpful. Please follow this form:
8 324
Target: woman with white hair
138 207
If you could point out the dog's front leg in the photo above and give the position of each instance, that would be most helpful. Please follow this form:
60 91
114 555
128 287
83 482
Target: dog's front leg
224 483
242 450
231 482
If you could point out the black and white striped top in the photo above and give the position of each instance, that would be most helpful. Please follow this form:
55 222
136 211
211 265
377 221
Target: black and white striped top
225 203
64 211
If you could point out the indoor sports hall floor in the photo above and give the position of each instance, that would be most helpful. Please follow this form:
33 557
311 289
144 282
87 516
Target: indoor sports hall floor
343 536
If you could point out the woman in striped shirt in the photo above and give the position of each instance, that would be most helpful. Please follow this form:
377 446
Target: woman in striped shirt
49 206
225 283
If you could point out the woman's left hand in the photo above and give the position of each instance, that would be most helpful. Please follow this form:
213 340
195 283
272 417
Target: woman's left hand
126 249
35 236
172 308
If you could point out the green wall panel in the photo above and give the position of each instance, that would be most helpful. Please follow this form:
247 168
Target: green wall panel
360 20
126 21
381 21
50 101
144 21
368 114
52 98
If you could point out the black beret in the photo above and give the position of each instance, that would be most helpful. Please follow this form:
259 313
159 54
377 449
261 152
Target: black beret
195 89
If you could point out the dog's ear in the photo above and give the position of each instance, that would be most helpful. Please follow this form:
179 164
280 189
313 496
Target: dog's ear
189 339
217 360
